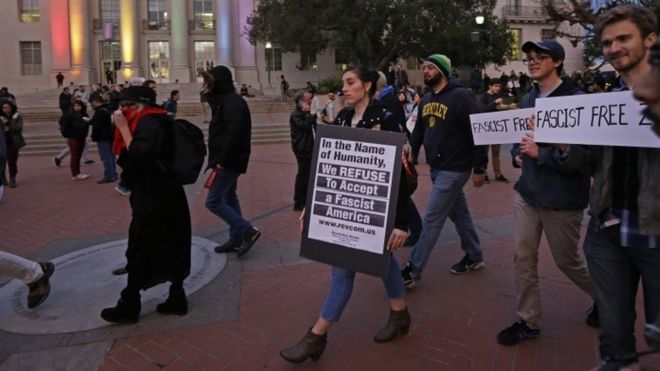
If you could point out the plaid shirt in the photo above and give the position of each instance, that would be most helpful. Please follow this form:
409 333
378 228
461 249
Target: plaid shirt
629 229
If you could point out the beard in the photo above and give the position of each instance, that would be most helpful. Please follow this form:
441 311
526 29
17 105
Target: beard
433 81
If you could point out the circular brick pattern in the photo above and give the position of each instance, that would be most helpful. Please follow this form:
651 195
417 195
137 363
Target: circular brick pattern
83 284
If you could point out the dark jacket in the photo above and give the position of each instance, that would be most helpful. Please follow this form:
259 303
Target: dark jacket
103 130
303 127
443 127
391 101
548 181
230 133
171 107
487 102
599 160
159 234
377 117
65 102
14 124
74 126
3 152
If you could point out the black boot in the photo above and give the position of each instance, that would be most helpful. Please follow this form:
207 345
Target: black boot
310 346
176 303
399 322
127 309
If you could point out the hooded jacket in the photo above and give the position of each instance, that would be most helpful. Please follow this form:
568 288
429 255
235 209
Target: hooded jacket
15 125
103 130
303 126
548 181
230 129
443 127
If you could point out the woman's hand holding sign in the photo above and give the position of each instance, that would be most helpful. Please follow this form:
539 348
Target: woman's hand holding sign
397 239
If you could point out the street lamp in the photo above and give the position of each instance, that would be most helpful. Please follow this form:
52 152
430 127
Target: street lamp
269 46
479 19
476 37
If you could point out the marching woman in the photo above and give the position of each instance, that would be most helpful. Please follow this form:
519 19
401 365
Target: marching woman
75 127
12 127
359 87
159 235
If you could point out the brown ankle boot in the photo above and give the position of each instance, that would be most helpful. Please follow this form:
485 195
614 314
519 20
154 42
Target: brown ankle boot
310 346
399 322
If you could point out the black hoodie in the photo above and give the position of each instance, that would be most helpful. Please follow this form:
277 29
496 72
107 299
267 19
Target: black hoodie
443 127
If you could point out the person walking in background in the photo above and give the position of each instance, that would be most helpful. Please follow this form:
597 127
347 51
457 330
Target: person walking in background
284 89
229 153
65 100
103 133
59 78
328 112
172 103
303 127
12 127
75 127
159 236
492 101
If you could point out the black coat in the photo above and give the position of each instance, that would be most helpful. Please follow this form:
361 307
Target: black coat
74 126
230 133
159 236
378 117
65 102
103 130
303 126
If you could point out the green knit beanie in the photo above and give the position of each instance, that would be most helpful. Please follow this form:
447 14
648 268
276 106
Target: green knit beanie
442 62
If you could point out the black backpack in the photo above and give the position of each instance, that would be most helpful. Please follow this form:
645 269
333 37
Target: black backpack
189 151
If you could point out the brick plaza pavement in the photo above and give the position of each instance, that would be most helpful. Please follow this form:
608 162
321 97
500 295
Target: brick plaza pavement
455 318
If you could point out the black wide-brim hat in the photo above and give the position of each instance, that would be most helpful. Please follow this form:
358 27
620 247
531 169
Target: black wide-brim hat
140 94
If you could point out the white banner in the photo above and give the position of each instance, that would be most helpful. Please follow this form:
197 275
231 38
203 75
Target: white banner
501 127
611 119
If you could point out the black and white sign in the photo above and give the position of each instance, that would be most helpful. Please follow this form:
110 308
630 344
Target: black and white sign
501 127
611 119
352 198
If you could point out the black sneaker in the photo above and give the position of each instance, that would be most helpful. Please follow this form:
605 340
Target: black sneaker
501 178
516 333
593 318
250 238
407 272
652 335
57 162
466 265
229 246
88 162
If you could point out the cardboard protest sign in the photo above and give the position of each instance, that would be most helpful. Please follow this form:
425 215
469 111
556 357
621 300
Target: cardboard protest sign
352 197
501 127
611 119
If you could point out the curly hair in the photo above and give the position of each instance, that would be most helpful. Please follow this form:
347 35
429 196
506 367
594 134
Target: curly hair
642 17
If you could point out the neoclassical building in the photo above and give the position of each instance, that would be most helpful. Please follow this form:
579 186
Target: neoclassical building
91 41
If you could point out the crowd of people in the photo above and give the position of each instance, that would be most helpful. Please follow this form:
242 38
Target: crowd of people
619 185
556 184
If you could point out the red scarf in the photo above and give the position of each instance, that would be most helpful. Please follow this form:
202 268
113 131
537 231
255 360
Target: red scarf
133 118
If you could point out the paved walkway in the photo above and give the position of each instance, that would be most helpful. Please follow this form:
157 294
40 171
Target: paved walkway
269 299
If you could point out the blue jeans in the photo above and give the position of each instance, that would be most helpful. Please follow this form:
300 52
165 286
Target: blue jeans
108 159
615 272
342 287
223 202
414 221
447 200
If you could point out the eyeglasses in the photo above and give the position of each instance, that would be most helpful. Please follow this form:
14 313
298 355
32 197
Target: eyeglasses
535 59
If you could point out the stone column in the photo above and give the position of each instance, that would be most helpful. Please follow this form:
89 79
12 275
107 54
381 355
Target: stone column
223 40
130 60
60 42
79 30
245 54
179 42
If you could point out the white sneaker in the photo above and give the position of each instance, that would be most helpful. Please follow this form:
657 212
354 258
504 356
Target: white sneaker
122 191
81 177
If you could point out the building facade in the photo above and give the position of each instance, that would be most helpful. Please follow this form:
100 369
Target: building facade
97 41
